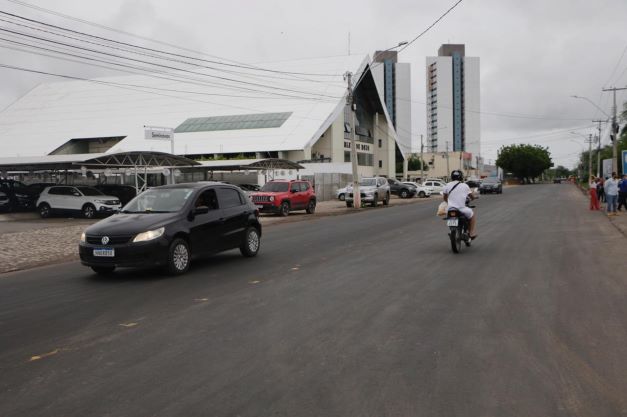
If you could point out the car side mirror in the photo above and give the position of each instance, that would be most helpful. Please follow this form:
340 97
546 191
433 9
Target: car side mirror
293 191
76 194
201 210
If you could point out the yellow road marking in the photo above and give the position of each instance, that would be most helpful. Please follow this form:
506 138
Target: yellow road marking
44 355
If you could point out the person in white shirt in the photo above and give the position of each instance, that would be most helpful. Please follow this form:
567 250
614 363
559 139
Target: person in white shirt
455 194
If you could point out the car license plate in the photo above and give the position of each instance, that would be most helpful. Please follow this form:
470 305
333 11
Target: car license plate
451 222
105 252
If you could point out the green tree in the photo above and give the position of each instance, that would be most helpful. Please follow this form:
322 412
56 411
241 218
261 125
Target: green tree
526 162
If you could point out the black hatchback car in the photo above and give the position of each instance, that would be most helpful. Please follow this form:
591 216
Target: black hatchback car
169 225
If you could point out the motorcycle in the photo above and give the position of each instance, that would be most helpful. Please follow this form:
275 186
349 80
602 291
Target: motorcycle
458 226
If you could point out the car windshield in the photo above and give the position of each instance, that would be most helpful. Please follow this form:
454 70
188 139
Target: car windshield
491 181
89 191
164 200
368 182
275 187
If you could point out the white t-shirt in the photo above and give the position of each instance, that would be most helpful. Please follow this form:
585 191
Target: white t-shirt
457 198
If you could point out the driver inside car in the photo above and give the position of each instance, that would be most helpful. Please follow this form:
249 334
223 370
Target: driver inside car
455 194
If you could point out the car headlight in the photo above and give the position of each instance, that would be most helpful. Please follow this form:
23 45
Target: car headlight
149 235
271 198
83 237
102 201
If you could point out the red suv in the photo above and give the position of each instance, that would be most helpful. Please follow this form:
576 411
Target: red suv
283 196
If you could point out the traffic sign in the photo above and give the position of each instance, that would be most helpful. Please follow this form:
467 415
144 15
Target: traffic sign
624 162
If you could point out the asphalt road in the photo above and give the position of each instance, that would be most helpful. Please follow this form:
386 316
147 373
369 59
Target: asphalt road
367 314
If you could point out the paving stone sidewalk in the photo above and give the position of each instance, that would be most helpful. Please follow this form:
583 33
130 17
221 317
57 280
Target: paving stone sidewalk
28 242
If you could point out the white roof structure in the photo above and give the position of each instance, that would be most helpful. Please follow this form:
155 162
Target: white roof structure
53 113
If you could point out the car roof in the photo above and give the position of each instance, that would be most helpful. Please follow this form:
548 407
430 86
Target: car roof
195 185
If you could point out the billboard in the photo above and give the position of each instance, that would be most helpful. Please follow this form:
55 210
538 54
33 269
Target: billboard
607 168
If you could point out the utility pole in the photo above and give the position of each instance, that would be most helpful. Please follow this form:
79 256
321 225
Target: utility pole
422 167
589 156
599 145
614 129
350 101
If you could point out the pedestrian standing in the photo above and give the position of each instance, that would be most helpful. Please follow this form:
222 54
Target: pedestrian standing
622 192
594 200
611 194
600 190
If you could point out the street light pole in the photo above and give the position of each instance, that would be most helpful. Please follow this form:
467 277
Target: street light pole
614 129
350 101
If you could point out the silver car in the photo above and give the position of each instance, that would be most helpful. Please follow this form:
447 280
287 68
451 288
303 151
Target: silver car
372 190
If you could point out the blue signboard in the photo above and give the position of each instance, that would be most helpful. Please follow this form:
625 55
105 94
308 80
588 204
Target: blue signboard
624 162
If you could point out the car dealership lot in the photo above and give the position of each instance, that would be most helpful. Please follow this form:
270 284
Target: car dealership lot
28 241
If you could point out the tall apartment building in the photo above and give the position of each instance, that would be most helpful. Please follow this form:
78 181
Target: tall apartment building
393 80
453 102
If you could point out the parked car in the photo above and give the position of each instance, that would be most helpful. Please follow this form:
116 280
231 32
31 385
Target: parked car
170 225
80 199
341 192
422 191
371 190
249 187
401 189
124 193
5 203
435 186
35 189
283 196
20 197
491 185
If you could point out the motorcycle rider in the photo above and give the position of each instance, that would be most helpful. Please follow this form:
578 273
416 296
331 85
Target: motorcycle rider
455 194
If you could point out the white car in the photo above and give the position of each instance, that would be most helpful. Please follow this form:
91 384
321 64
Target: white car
421 191
341 192
86 200
434 186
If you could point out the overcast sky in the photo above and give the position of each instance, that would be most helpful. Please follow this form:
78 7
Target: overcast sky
534 54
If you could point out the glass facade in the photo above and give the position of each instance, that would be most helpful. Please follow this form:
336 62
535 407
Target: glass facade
233 122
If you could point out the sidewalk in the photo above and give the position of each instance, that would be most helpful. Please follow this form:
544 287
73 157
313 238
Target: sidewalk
27 241
619 221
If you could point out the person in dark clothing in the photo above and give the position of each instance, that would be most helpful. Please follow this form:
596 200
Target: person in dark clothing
600 190
622 193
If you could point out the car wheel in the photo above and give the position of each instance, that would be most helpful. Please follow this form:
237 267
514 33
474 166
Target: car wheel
386 200
89 211
311 207
103 270
375 200
252 242
284 209
404 194
422 194
44 210
178 257
342 197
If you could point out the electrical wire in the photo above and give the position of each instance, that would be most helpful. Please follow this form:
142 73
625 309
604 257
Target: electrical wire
167 66
237 64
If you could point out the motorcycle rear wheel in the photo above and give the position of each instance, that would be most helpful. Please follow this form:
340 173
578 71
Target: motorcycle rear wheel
456 240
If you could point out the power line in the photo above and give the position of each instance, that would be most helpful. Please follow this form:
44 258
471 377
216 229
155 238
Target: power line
151 71
151 55
430 26
237 64
166 66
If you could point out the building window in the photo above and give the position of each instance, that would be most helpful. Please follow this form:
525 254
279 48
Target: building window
380 143
380 163
365 159
347 156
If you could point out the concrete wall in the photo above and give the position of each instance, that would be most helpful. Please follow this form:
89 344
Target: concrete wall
472 103
403 106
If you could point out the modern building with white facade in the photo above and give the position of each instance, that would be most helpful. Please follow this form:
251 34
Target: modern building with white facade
453 101
393 80
292 110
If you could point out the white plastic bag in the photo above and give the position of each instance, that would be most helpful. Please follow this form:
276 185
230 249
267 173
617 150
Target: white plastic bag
442 208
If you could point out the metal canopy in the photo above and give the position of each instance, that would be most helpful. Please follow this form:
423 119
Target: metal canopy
74 162
250 164
137 159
